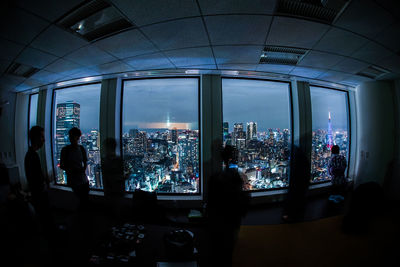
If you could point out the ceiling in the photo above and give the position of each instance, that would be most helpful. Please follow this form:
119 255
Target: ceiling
201 35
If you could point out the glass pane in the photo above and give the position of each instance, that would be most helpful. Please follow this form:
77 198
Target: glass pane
78 107
256 120
33 105
330 127
161 135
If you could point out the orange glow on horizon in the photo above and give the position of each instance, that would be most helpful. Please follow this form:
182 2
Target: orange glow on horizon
164 125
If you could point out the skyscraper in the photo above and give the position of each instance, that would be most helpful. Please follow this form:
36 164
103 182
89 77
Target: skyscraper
251 132
225 129
329 136
67 117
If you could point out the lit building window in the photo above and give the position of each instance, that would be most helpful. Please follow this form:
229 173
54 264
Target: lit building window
256 120
78 107
161 135
329 127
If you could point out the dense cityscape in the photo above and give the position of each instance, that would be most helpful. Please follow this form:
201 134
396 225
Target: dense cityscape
162 160
68 116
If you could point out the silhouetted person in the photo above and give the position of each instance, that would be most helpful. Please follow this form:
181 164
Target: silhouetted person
298 186
336 168
113 177
74 161
37 183
227 204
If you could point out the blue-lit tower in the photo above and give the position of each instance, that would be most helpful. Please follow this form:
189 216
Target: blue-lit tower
329 136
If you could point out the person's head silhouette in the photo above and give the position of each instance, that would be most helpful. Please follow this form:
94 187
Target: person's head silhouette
335 149
74 135
36 136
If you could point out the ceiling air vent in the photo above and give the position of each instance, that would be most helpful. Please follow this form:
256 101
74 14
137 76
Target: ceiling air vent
372 72
21 70
321 10
282 55
94 20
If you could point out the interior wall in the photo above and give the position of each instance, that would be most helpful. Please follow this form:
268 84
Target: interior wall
7 142
376 131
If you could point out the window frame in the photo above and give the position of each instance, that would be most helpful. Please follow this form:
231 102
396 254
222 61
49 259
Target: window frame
199 116
29 114
291 123
348 129
53 93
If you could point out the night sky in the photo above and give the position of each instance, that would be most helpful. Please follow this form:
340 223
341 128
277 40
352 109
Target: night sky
167 103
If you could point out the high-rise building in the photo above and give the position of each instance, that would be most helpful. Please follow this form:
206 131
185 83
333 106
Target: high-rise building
329 136
174 136
251 131
225 129
238 132
67 117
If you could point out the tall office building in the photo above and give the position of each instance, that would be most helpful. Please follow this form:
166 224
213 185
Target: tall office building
251 131
225 129
329 136
67 117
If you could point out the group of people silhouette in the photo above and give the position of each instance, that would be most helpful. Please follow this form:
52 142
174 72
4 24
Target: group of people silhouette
228 196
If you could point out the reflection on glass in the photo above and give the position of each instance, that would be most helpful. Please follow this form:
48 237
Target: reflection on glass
256 117
160 136
330 127
33 105
78 107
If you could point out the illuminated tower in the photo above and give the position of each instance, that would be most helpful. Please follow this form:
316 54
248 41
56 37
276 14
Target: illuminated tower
329 137
251 132
67 117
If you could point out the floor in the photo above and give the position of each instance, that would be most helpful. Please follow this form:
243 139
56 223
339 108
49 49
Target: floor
80 236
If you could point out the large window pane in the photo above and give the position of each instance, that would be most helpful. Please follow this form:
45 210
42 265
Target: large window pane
33 105
256 117
160 135
330 127
78 107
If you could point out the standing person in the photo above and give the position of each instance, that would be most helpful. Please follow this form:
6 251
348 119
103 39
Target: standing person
336 168
37 183
227 204
74 162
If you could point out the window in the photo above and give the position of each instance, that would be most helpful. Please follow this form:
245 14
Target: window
330 127
33 106
160 135
256 120
78 107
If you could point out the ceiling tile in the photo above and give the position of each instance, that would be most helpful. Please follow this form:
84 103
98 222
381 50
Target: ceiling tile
9 50
10 82
113 67
234 29
48 9
320 60
191 56
293 32
306 72
389 76
35 58
372 53
152 61
391 63
340 42
249 67
28 84
4 65
237 54
127 44
45 76
90 56
333 76
350 65
178 34
20 26
211 7
205 67
356 79
390 37
63 67
391 6
82 73
57 41
365 17
153 11
275 68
